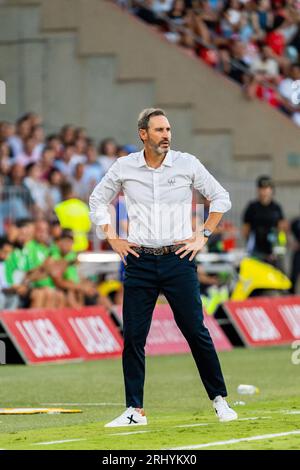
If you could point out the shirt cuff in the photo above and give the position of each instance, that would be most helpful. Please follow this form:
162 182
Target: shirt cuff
220 206
100 219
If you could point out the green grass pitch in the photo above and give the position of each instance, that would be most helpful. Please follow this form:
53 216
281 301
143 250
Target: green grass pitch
179 412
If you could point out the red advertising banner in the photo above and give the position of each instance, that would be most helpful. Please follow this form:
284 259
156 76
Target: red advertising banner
60 335
266 321
42 336
95 333
165 337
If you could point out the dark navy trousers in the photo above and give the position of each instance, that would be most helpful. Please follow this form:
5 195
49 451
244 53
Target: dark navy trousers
145 277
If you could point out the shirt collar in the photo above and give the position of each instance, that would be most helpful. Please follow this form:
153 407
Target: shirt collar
168 160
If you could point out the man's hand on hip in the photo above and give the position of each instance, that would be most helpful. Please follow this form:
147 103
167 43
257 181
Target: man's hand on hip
122 247
191 246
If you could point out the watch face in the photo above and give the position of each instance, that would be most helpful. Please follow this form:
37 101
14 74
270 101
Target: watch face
207 233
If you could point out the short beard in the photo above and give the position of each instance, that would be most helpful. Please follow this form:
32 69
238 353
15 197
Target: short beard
157 149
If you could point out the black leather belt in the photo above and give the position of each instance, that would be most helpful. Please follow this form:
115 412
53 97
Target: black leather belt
162 250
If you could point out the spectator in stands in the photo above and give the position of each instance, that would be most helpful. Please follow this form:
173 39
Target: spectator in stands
7 130
67 135
9 299
289 90
94 170
81 133
47 162
263 219
23 130
12 232
35 119
232 18
161 6
38 188
145 12
38 266
38 135
277 40
262 18
78 182
15 262
56 179
124 150
295 268
29 154
64 164
73 213
55 232
5 150
264 62
235 63
178 13
63 270
107 153
17 201
5 161
79 291
79 151
54 142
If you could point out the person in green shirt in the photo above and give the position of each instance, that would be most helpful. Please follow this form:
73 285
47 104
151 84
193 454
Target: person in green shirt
9 294
15 262
78 290
37 264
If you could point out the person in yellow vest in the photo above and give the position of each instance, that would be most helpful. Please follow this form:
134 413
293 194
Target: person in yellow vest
73 214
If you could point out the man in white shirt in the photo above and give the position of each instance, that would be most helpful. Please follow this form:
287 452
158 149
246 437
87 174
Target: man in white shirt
289 90
157 184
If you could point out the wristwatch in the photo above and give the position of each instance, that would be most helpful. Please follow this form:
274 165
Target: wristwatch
207 233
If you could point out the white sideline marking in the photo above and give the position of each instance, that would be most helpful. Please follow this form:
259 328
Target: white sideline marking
191 425
254 417
235 441
56 442
83 404
291 412
127 433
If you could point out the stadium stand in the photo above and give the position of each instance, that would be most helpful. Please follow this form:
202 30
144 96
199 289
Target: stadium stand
254 42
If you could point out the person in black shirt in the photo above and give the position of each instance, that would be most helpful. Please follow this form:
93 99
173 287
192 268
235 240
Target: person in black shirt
262 220
295 271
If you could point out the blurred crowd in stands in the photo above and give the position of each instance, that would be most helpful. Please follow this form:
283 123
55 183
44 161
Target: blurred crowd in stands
254 42
45 183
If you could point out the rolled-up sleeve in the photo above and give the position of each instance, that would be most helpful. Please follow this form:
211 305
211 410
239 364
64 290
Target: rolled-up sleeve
103 194
210 188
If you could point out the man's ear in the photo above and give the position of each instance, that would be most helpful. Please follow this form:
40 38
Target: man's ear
142 134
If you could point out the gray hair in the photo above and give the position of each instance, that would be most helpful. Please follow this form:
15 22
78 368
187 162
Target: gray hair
146 114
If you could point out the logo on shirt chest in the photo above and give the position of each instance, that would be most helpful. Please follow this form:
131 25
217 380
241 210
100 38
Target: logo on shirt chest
171 181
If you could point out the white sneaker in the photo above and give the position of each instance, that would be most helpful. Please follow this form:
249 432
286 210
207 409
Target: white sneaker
130 417
223 410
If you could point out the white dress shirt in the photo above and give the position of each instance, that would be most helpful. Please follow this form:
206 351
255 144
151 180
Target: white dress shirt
158 200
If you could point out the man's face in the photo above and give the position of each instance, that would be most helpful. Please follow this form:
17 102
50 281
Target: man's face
25 233
69 152
18 171
296 72
91 154
30 145
41 232
5 251
65 245
158 135
48 157
55 231
265 194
